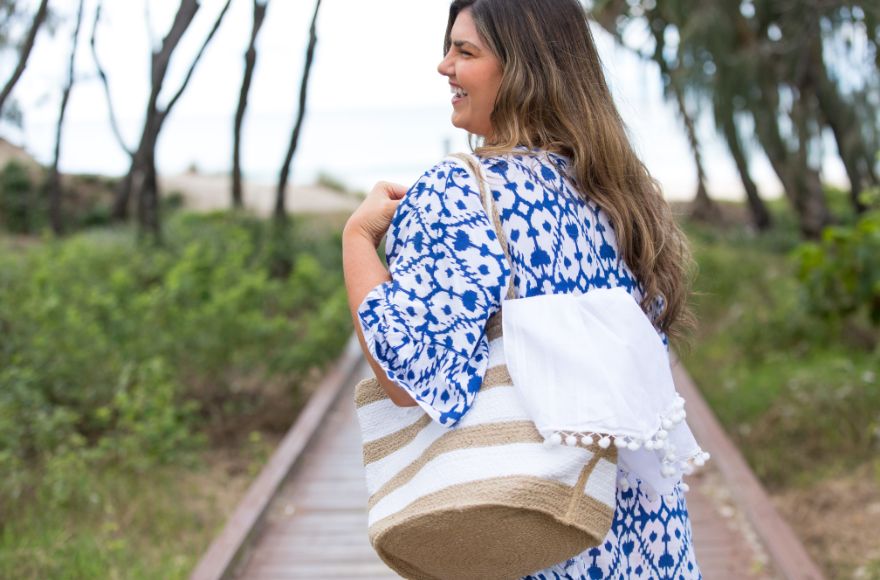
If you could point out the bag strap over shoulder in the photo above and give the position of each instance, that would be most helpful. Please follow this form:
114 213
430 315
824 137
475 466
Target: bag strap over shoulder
491 210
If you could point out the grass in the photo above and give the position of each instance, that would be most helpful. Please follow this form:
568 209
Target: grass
128 525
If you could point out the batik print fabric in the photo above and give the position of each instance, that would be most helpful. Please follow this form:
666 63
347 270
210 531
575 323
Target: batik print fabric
426 326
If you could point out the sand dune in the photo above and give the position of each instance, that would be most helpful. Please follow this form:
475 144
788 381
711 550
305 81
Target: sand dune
211 192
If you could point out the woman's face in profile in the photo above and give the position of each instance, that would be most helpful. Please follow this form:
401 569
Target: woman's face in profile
474 74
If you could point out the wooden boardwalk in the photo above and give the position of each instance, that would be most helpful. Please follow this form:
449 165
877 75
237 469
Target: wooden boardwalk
315 525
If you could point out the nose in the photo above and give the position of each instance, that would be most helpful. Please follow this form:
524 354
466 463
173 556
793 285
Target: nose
445 66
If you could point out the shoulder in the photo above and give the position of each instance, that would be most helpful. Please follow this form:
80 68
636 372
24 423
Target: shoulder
447 188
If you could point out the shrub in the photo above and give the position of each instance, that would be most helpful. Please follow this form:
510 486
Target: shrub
16 197
840 274
115 354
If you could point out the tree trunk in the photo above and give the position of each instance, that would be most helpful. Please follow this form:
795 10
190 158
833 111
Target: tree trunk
26 48
119 210
802 184
760 216
280 213
250 61
54 179
703 207
843 121
142 181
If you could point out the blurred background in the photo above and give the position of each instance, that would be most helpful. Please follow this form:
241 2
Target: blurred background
174 177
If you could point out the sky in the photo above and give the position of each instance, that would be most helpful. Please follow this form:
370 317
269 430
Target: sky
377 108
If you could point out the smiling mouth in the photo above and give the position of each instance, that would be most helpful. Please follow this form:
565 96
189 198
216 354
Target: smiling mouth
458 94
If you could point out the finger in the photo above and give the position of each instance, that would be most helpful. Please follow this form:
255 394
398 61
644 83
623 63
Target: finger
395 190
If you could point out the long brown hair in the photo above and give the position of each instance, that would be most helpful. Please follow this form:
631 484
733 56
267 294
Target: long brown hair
553 96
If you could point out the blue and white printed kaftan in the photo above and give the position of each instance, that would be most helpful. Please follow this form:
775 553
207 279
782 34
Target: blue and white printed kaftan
426 326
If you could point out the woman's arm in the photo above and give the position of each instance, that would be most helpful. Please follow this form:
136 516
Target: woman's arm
363 271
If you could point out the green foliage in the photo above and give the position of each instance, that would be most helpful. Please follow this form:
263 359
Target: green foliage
16 197
840 274
798 391
122 356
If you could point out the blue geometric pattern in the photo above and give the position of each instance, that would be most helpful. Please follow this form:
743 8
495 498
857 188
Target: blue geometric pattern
426 326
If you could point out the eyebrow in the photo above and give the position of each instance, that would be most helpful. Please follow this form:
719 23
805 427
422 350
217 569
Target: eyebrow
461 43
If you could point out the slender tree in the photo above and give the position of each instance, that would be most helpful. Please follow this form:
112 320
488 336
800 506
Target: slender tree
703 207
142 180
120 211
54 179
25 52
250 61
280 213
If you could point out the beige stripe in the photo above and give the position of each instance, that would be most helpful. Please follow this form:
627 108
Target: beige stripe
497 376
493 326
385 446
485 435
468 513
368 391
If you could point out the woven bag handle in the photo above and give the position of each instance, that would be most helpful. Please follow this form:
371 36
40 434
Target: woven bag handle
491 211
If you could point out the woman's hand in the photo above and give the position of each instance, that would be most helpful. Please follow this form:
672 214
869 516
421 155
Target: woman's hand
372 218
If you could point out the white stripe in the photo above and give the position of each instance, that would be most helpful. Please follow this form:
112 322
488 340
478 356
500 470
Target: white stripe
383 418
496 352
493 406
602 483
561 464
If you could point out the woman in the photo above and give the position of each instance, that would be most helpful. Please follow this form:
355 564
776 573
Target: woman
580 212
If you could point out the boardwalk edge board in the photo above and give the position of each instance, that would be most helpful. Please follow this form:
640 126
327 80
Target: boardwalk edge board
229 549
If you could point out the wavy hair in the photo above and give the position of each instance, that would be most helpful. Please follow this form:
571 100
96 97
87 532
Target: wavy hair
553 96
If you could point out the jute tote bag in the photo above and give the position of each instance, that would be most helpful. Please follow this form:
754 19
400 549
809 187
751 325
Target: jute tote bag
488 498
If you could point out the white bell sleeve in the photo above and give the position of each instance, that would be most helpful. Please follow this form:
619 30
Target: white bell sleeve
426 326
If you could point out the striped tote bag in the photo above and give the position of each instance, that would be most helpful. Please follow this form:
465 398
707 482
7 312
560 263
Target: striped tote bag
487 498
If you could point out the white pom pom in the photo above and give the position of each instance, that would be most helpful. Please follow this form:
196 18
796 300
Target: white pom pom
587 440
662 434
634 445
604 442
619 442
623 483
556 439
684 487
571 441
667 470
649 444
667 424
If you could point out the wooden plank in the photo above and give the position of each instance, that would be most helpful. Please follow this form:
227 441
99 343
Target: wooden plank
229 546
786 552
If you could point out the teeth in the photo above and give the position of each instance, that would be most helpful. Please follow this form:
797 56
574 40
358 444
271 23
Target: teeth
458 92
